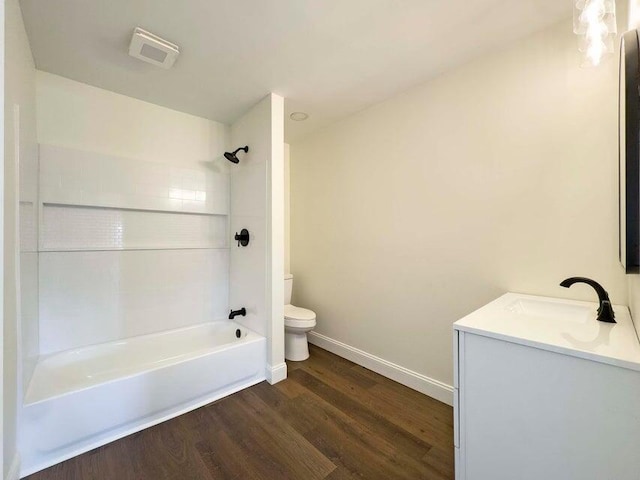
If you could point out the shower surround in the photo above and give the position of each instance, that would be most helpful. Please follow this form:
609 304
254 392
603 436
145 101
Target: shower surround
137 269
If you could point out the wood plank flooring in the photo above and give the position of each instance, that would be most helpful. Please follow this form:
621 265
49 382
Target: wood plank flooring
331 419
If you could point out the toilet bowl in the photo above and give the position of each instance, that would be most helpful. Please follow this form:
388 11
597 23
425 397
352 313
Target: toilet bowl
297 322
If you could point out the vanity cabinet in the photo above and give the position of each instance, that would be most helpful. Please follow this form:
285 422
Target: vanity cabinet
544 395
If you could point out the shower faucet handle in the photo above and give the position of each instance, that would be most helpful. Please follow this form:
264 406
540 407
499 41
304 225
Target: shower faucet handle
243 237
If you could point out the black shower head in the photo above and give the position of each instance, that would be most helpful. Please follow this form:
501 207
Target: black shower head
231 156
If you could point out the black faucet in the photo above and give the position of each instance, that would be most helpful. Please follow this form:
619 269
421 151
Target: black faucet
235 313
605 310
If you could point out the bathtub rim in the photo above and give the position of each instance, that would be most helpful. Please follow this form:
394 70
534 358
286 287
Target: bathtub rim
251 337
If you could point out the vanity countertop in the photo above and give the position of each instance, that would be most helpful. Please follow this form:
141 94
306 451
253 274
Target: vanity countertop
558 325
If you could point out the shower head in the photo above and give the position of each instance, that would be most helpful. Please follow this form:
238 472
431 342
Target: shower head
231 156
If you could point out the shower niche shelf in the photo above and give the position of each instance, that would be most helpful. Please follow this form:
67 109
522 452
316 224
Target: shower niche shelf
88 228
94 202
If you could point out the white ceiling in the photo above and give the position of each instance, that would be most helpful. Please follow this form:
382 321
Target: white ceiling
329 58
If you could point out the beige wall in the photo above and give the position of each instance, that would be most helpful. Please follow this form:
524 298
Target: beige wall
633 283
19 96
498 176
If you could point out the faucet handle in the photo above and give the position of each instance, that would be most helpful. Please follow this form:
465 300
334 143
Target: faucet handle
242 238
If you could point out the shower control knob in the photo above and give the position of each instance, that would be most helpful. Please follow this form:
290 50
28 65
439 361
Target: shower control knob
243 237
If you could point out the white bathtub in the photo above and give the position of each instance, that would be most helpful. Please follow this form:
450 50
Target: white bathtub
83 398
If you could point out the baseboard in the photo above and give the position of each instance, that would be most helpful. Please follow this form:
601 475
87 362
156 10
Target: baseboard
277 373
14 470
423 384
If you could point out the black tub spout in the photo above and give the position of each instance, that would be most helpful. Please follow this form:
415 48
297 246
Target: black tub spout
234 313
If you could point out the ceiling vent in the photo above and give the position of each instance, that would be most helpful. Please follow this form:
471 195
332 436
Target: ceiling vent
152 49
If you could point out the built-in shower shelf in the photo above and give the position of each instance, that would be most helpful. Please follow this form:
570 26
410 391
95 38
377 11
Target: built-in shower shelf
166 206
132 209
130 249
86 228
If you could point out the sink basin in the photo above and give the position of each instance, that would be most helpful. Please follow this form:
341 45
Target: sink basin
550 310
558 325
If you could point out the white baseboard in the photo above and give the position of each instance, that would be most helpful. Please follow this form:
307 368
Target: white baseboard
14 470
423 384
277 373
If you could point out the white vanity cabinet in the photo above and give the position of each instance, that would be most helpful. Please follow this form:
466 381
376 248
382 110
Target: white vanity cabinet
543 391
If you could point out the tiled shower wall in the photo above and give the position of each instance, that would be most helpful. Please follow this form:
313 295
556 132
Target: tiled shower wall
257 201
28 221
114 229
99 296
128 247
133 217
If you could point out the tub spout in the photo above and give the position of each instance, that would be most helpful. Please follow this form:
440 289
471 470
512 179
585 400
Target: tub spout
235 313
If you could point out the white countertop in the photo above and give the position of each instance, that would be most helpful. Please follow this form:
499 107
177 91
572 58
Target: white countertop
558 325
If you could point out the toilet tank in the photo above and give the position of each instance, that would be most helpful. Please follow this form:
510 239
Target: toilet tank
288 287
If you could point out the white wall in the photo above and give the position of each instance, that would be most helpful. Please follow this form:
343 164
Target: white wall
76 115
20 154
277 368
28 222
135 202
498 176
257 270
287 208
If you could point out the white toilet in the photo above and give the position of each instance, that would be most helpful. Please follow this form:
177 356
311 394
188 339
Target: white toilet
297 322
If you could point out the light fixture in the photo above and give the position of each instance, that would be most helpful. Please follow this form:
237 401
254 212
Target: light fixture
594 21
298 116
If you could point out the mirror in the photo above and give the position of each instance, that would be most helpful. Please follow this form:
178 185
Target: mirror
629 152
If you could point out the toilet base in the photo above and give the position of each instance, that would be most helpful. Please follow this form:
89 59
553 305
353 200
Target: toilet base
296 346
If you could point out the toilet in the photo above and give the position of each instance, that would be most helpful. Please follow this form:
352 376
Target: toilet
297 322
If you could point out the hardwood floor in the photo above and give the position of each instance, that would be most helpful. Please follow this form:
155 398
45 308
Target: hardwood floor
331 419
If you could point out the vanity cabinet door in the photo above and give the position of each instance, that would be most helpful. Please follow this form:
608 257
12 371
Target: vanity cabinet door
530 414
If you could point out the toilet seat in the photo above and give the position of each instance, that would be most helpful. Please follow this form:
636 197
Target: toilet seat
298 317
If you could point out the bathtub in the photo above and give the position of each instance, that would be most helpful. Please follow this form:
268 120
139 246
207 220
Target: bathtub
80 399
